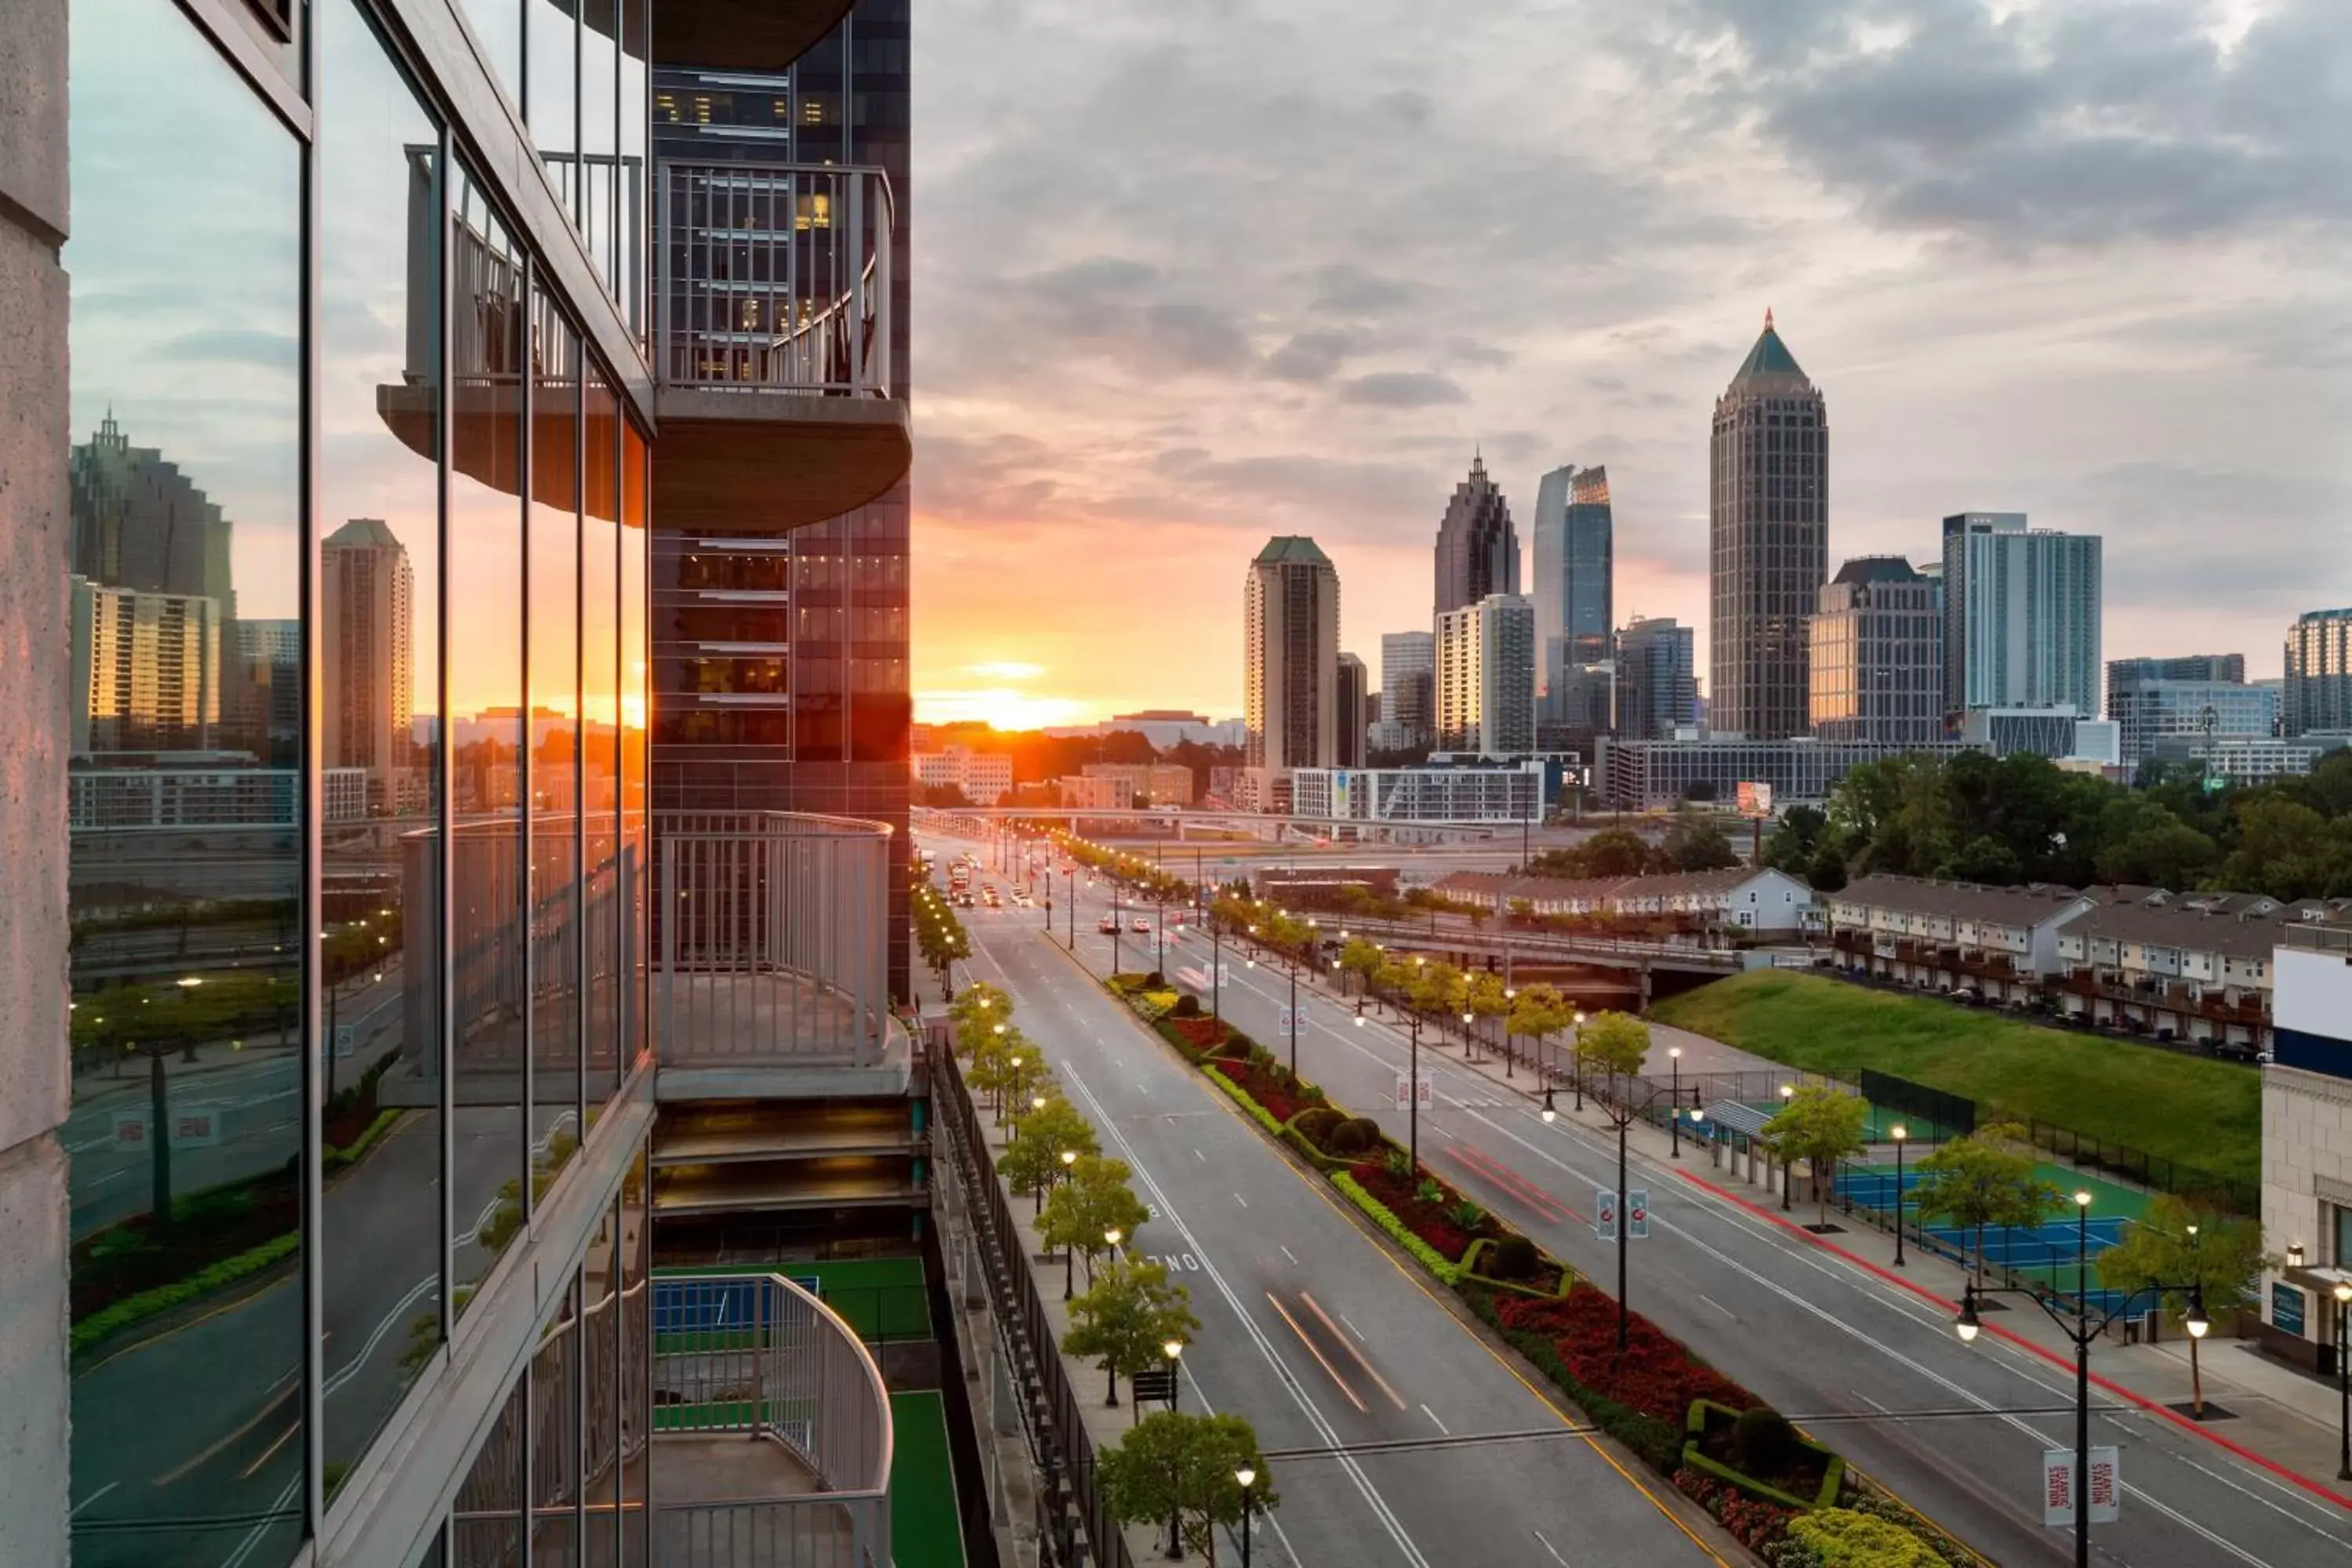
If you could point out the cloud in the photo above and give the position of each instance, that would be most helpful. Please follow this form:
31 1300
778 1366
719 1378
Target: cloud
1401 389
270 351
1313 356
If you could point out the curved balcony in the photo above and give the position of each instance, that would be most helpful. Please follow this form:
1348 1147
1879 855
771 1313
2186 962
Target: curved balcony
773 355
775 1438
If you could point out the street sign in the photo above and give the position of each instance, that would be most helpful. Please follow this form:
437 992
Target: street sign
2058 1491
1755 798
1152 1384
1291 1021
344 1035
1605 1214
1637 1215
1406 1087
131 1130
190 1129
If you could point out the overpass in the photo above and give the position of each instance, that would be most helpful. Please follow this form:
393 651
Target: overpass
1179 822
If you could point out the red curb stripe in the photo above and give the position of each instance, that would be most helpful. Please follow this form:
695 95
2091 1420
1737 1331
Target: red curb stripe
2262 1461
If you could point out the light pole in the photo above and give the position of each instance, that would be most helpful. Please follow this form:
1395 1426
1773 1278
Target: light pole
1070 898
1788 1167
1413 1094
1510 1052
1576 1060
2343 1382
1173 1349
1622 1115
1069 1158
1115 923
2082 1330
1247 1478
1216 969
1899 1134
1294 1020
1675 1135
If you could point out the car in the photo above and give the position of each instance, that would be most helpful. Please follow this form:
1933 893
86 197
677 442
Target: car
1140 926
1109 925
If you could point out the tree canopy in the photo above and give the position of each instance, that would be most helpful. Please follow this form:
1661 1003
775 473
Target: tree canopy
1820 1125
1983 1179
1124 1319
1176 1463
1615 1042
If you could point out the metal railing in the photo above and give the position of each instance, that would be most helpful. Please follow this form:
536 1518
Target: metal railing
757 1355
771 940
775 277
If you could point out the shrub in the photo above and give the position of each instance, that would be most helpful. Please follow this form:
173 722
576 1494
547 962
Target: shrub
1513 1257
1187 1006
1155 980
1398 1163
1429 1192
1428 1256
1316 1123
1259 1113
1843 1538
1764 1442
1467 1215
1348 1137
1370 1128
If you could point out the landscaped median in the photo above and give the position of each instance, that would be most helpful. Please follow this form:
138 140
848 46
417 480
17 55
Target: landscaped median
1791 1500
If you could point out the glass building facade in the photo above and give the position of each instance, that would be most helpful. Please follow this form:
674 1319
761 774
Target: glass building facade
358 565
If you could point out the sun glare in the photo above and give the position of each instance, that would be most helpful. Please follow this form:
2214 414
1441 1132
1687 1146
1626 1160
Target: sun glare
1000 707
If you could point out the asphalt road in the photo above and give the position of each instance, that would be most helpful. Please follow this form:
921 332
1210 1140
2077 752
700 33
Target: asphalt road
1317 1333
1958 1431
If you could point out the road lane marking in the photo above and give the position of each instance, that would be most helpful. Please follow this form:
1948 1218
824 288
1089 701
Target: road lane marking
1241 1200
1292 1255
1324 1318
1320 1359
1198 1155
1548 1546
1719 1307
93 1497
1425 1410
1353 1329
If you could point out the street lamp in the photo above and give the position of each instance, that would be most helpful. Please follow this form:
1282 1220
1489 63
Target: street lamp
1899 1134
1248 1479
1622 1115
1788 1167
1172 1348
2343 1382
1551 1112
1675 1123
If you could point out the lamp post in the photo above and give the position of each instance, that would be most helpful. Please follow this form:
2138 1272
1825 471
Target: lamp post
1293 967
1510 1053
1248 1479
1216 969
1899 1134
1576 1062
1675 1123
2081 1328
1788 1167
1413 1094
1173 1349
2343 1294
1621 1115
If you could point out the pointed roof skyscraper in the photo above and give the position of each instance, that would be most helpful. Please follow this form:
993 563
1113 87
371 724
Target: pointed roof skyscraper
1769 359
1477 549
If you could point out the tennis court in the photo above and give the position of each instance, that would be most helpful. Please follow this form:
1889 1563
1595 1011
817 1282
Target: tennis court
2046 1254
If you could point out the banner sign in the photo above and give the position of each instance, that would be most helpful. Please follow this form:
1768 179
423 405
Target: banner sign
2059 1496
1605 1214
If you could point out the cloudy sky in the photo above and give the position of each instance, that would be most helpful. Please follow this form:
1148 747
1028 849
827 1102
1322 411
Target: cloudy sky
1194 272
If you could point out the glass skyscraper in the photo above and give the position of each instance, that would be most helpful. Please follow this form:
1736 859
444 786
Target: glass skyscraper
1574 593
1768 533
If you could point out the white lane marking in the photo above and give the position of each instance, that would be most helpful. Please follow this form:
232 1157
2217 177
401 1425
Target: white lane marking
1719 1307
423 1288
1241 1200
1355 1331
1292 1255
1548 1546
1198 1155
93 1497
1425 1410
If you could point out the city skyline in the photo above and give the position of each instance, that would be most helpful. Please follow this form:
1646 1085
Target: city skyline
2117 331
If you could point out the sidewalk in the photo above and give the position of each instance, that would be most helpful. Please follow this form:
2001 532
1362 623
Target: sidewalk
2264 1412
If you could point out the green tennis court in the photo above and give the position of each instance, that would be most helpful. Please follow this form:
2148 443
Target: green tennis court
925 1527
881 1298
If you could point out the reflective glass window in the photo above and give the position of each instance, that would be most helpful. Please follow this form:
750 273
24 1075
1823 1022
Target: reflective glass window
600 1424
377 582
551 40
490 741
636 477
600 137
183 567
486 1522
629 202
636 1242
555 1417
499 25
599 734
556 939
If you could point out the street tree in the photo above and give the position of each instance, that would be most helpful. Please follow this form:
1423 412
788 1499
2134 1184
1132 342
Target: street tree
1093 1199
1616 1043
1125 1319
1538 1013
1361 958
1821 1126
1982 1179
1174 1465
1033 1160
1002 1056
2190 1251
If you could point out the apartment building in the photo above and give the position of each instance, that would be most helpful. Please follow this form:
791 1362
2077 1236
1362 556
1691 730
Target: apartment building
1741 898
983 777
1950 936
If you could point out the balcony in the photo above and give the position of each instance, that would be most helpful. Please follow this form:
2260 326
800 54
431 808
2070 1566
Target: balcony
720 36
774 347
773 1430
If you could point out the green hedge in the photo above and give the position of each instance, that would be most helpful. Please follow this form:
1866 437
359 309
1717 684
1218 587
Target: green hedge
1291 1135
1428 1256
1263 1117
1478 1249
1659 1443
148 1304
1694 1427
343 1158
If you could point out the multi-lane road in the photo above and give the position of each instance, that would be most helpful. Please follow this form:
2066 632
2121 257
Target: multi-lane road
1398 1435
1958 1431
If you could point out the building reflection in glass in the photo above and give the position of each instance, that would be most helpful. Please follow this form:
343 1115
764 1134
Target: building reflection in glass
556 916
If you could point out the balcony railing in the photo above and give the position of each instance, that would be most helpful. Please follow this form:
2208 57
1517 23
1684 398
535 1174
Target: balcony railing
755 1356
775 278
772 939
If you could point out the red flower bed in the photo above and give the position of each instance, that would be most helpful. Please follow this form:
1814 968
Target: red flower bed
1433 1223
1757 1524
1200 1034
1654 1374
1269 1087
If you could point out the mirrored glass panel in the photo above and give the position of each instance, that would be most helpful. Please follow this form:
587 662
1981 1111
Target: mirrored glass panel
378 592
499 25
629 205
552 40
636 1240
556 1419
486 1524
556 948
489 740
599 1426
184 571
636 860
600 137
600 734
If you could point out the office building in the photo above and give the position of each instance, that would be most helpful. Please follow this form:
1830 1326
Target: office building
2060 733
1657 678
369 678
982 778
1290 651
1152 784
1408 689
1573 568
1768 542
1637 776
1511 792
1877 656
1477 550
2317 691
2153 700
2020 614
1095 793
340 260
1486 677
2245 759
1354 698
144 668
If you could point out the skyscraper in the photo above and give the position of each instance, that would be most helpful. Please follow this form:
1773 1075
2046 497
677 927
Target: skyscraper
1657 680
1573 588
2317 692
1768 545
1408 689
1290 633
369 680
143 670
1877 656
2202 695
1354 691
1486 677
263 693
2021 615
1478 552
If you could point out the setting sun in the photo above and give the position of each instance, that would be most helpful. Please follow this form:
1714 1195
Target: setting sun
999 707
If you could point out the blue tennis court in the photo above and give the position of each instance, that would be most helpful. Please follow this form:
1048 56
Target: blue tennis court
2049 1254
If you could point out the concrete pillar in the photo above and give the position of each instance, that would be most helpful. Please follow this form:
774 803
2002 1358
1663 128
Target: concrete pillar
34 1084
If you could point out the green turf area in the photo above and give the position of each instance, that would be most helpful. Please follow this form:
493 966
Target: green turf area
2196 1111
881 1298
924 1527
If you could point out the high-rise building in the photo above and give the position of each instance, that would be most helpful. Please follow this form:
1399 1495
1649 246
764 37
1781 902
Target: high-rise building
1290 637
1477 551
1768 542
1408 689
2316 695
143 670
1877 655
370 672
2204 696
138 522
1657 678
2021 615
1573 548
263 693
1353 696
1486 677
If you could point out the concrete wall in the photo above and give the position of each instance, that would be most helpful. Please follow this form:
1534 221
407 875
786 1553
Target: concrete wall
2307 1123
33 727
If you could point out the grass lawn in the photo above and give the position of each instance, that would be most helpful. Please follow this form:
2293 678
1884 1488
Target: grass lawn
926 1531
881 1298
2196 1111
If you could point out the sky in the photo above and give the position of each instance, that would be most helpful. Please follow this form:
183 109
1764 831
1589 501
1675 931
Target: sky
1188 275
